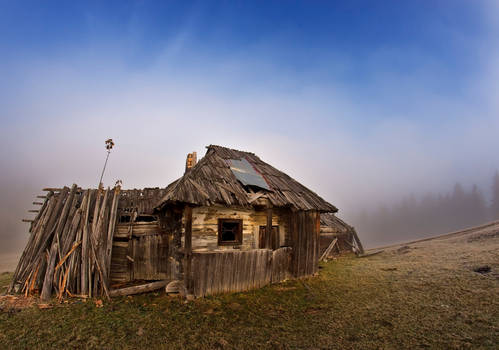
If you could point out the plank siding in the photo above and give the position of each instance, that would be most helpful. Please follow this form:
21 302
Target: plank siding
235 271
150 255
305 233
141 251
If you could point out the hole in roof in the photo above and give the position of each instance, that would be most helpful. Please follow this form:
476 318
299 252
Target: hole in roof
246 174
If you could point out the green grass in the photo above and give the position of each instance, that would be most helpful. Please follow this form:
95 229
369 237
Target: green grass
353 304
4 281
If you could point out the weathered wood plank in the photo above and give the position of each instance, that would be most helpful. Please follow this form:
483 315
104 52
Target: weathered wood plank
188 249
268 230
149 287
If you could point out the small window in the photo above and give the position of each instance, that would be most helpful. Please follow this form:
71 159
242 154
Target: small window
146 218
230 232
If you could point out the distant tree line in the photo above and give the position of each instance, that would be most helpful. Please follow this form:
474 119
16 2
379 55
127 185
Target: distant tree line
431 214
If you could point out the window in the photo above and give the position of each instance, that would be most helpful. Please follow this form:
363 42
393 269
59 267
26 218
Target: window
230 231
146 218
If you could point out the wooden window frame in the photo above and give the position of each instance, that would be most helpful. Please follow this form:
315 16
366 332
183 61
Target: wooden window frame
239 233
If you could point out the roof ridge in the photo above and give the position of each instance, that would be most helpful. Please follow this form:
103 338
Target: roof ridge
230 149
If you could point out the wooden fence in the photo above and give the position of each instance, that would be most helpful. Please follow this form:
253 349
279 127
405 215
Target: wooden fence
234 271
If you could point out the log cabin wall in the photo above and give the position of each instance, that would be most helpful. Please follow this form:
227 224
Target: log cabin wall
218 270
205 226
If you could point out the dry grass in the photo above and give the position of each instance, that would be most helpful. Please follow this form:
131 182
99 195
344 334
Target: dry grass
424 295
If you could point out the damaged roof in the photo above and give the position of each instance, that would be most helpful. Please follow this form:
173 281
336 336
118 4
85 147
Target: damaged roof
230 177
332 221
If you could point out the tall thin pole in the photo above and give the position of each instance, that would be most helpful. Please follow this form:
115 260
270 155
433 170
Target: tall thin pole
109 146
103 169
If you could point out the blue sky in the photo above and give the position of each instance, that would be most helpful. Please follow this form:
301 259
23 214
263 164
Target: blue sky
363 101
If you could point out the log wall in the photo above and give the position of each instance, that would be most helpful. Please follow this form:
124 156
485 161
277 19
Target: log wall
205 226
235 271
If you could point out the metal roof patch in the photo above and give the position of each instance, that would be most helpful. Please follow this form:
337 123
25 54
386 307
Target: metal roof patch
247 174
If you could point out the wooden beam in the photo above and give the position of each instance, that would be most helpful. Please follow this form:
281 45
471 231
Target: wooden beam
357 240
371 253
188 249
143 288
55 189
27 220
33 211
85 255
37 203
328 249
268 230
49 274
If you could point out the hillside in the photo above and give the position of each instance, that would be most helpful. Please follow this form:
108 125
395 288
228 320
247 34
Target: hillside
425 294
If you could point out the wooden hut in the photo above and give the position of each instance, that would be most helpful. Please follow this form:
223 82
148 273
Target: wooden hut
337 237
232 222
240 223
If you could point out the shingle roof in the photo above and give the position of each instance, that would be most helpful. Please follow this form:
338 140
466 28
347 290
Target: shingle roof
332 221
211 181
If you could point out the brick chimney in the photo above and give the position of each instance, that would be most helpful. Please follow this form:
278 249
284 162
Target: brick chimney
192 159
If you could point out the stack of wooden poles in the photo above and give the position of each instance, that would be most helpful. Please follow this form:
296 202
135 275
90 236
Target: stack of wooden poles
70 246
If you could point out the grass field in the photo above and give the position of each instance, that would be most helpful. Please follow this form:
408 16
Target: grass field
422 295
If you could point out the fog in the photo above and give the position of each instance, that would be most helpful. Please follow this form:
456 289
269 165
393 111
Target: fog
419 217
385 145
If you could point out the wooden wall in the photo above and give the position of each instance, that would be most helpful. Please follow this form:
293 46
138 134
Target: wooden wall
140 252
151 251
343 243
235 271
205 226
305 228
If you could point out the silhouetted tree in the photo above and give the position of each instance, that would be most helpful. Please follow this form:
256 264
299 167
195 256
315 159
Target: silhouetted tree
494 208
477 207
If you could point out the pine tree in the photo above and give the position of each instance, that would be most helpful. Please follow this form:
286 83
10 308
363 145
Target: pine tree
477 207
457 218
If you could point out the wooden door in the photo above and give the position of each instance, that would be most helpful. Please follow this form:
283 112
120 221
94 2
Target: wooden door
150 257
140 252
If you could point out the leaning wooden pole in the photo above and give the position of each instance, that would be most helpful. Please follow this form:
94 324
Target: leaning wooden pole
84 244
357 240
110 232
49 274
